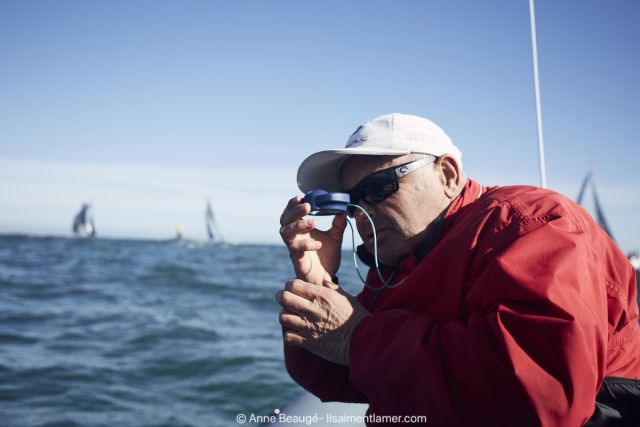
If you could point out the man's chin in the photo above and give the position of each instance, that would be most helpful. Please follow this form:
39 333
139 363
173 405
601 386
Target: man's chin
385 256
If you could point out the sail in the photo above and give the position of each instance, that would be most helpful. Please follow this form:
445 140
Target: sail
602 221
210 223
600 218
80 218
583 187
83 226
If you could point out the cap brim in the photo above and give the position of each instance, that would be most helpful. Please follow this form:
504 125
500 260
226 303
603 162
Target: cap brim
321 171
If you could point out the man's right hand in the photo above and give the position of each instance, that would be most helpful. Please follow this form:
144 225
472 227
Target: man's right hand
315 254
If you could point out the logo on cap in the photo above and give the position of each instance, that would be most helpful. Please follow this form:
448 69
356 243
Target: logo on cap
353 142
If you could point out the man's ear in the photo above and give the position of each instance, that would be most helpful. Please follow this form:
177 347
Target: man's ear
451 175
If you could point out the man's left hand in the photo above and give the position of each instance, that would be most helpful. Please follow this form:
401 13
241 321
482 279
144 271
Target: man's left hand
320 319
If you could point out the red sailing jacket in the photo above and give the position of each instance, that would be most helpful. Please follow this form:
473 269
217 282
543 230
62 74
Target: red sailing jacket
513 318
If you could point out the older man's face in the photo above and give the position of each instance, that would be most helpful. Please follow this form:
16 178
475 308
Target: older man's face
402 219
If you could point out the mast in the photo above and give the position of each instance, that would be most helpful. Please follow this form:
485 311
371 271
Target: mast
536 82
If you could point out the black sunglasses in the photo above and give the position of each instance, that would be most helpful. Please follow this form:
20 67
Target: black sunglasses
378 186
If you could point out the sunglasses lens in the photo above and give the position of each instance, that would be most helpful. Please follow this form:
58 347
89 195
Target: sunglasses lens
374 189
378 187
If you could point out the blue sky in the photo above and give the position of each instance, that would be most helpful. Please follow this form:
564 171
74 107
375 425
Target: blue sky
147 107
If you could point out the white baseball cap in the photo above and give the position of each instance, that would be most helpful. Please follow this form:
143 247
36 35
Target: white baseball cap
389 135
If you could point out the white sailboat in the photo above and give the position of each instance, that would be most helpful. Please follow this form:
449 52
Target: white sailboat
83 225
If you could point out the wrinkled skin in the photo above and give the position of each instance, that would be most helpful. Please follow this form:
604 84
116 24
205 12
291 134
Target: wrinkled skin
319 318
403 219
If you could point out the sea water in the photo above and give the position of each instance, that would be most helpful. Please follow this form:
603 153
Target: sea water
141 333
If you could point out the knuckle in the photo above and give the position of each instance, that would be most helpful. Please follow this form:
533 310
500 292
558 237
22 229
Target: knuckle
284 297
296 284
292 228
294 245
285 231
288 284
306 324
307 244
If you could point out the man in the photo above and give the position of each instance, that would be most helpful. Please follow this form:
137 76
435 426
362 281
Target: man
500 306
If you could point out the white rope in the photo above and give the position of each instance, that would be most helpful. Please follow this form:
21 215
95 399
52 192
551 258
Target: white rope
536 80
385 283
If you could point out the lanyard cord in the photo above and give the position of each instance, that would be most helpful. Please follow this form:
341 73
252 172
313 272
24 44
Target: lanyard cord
385 283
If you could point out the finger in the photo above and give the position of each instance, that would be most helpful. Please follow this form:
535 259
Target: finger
329 284
338 225
299 247
303 289
295 213
291 230
338 289
293 338
294 201
292 321
285 311
294 303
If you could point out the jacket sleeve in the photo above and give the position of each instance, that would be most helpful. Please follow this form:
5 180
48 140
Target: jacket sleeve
327 380
530 351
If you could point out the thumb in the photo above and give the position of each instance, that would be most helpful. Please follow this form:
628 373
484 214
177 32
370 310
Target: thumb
338 225
329 284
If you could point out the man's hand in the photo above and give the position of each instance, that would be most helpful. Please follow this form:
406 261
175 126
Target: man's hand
320 319
315 254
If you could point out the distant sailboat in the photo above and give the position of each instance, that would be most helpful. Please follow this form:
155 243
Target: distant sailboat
213 232
179 232
83 225
602 221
